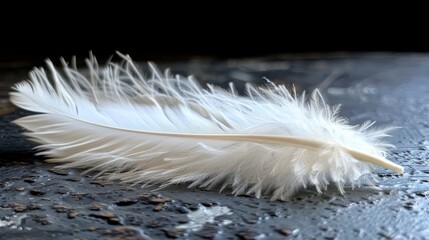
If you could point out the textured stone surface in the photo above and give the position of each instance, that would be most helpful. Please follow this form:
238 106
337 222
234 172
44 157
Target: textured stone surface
46 203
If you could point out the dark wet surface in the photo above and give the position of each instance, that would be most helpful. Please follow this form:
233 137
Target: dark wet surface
41 202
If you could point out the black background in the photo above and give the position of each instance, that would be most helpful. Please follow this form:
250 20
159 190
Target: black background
216 31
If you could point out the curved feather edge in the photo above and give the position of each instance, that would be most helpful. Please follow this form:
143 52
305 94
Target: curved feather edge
166 129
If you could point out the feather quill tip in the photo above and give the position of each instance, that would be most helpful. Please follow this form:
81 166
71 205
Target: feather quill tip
165 130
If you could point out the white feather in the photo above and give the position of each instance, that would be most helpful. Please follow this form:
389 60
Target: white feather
169 130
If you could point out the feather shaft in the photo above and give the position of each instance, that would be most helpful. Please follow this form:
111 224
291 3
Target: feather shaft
297 141
382 162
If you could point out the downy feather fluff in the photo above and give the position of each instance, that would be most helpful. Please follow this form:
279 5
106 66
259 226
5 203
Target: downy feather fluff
167 129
